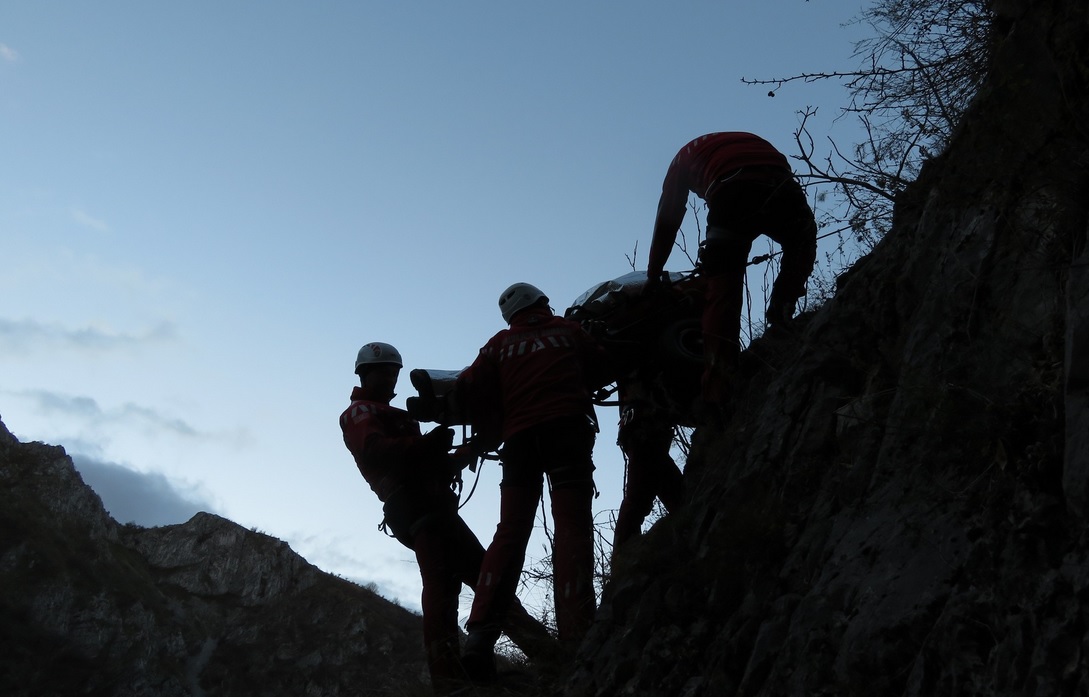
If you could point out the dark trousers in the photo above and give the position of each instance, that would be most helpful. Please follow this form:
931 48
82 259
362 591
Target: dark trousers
649 472
761 202
449 555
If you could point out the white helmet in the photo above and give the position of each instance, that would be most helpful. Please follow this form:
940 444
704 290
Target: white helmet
376 353
518 297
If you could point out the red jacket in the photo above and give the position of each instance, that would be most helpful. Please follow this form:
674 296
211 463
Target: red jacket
389 449
697 166
543 367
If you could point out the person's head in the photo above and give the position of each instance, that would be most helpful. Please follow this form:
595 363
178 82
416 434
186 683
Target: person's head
518 297
378 365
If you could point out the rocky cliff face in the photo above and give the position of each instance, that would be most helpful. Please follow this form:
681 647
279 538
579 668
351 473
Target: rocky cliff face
898 505
94 608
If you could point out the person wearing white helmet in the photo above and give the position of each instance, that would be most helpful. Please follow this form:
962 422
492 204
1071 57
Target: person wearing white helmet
517 298
533 381
413 475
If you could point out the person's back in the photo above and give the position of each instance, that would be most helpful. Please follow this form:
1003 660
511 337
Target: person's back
703 160
546 365
540 375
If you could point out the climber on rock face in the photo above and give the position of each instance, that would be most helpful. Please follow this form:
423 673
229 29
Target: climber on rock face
749 190
413 474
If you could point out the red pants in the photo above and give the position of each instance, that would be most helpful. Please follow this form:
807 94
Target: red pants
563 450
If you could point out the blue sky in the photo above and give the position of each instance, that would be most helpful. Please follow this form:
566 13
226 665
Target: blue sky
206 208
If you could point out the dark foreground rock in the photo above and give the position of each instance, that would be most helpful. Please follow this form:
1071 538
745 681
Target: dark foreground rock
898 505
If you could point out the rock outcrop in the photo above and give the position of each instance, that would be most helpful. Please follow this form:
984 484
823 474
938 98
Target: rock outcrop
898 504
204 608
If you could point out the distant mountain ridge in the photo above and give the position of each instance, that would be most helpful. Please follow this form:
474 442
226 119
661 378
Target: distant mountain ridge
92 607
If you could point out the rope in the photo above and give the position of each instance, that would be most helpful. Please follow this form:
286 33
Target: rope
476 481
771 255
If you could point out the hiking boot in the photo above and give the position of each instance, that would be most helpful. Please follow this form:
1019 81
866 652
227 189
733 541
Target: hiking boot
478 657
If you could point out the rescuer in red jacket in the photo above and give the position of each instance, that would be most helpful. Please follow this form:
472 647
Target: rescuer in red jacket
412 474
749 190
538 376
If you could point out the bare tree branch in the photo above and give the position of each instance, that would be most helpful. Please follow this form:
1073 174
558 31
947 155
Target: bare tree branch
918 73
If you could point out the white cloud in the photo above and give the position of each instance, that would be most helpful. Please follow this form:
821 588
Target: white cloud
85 219
87 409
9 54
28 336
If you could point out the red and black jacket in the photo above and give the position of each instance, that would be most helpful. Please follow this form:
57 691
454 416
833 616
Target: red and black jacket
542 368
696 168
389 449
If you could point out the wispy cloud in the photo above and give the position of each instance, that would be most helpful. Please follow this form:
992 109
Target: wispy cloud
87 220
144 498
22 336
8 54
88 409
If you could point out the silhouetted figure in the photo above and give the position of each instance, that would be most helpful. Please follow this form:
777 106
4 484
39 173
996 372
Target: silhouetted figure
536 379
749 190
645 436
413 474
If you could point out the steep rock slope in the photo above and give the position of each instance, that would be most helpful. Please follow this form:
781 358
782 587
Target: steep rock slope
898 504
91 607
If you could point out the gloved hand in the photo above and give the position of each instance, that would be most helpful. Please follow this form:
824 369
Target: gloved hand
439 439
463 456
422 409
653 284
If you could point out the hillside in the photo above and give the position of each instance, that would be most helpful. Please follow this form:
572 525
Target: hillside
91 607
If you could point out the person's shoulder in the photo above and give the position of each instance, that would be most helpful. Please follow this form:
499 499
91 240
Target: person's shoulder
560 320
496 340
390 410
359 414
366 406
574 326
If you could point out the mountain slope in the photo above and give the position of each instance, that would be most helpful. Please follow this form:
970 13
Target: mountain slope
91 607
